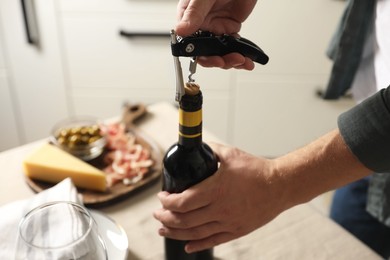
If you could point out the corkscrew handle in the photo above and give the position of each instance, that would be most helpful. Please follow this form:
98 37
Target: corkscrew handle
207 44
203 43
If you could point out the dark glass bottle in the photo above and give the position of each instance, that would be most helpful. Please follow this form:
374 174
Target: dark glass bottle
188 162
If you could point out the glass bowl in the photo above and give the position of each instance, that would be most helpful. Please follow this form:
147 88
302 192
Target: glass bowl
79 136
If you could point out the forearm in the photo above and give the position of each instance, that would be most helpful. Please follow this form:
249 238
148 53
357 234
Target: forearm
323 165
248 191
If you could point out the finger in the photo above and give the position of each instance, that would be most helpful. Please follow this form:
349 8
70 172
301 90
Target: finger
192 15
216 146
181 7
247 65
196 233
187 220
238 61
221 151
211 61
193 198
228 61
233 60
209 242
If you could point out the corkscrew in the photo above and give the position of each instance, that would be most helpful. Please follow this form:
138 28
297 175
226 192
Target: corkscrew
203 43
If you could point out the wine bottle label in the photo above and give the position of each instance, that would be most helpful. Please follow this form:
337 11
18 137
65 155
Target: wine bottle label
190 119
190 123
189 136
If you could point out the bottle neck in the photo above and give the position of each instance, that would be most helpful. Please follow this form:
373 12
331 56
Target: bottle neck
190 127
190 120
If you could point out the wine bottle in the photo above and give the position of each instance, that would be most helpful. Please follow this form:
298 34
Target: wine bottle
187 162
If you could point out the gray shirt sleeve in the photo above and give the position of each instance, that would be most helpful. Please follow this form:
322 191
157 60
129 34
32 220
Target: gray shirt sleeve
366 130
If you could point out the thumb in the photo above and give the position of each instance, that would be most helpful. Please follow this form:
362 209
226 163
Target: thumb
220 150
191 15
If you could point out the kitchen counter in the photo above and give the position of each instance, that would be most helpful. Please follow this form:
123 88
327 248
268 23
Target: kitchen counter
299 233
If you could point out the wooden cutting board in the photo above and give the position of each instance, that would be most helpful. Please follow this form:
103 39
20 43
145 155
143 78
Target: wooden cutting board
119 191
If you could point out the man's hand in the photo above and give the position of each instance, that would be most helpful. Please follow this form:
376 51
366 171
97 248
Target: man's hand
219 17
237 199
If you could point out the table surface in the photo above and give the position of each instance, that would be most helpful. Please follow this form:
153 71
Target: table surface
299 233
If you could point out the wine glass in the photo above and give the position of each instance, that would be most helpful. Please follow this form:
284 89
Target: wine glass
60 230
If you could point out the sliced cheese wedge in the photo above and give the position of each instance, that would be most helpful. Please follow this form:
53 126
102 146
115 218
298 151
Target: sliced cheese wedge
51 164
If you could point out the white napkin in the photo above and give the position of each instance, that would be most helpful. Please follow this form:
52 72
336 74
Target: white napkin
12 213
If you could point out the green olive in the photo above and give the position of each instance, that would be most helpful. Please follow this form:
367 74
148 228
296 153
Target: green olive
75 130
76 137
84 130
94 130
93 139
64 133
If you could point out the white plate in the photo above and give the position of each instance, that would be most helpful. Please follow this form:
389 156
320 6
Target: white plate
113 235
